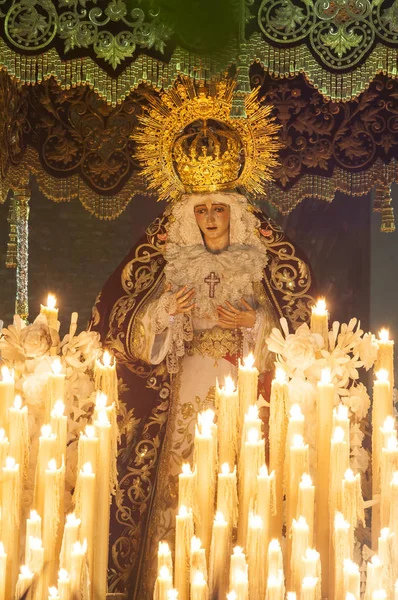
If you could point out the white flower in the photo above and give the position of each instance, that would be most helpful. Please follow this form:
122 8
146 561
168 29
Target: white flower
35 388
298 350
358 401
368 349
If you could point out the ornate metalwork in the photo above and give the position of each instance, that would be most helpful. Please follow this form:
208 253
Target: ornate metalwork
32 25
340 33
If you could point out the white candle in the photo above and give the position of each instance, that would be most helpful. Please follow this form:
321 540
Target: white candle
247 384
3 572
339 463
251 421
265 502
341 551
382 408
389 464
197 558
205 453
309 588
352 579
164 557
311 567
185 486
85 506
184 533
325 401
25 580
393 525
103 479
256 549
340 419
36 565
54 490
33 529
10 519
275 587
163 584
105 377
320 320
300 536
47 451
70 537
385 356
63 585
227 494
50 311
252 460
56 387
238 566
298 465
79 583
199 590
19 435
7 392
219 556
385 553
227 405
278 421
374 577
274 558
88 449
306 504
59 424
352 501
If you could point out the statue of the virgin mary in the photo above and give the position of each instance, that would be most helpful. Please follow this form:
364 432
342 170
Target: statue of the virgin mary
205 286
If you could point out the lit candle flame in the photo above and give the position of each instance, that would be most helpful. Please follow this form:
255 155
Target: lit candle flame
320 307
309 583
183 512
306 480
229 385
394 480
186 469
375 560
63 575
280 375
252 413
295 413
326 376
52 465
2 552
263 472
238 551
53 592
385 533
384 335
341 412
392 444
196 544
248 361
349 475
164 572
274 545
102 418
252 436
87 469
255 521
199 578
51 301
10 462
219 518
164 549
225 470
101 400
298 441
34 516
72 520
35 543
56 366
2 435
389 425
18 402
172 595
106 359
58 410
46 431
90 431
340 522
7 374
338 434
25 571
311 554
382 375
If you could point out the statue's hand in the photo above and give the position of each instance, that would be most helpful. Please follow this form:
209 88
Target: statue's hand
230 317
183 300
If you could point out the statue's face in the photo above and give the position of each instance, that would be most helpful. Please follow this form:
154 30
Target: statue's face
212 217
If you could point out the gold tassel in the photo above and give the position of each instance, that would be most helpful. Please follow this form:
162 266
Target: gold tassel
11 256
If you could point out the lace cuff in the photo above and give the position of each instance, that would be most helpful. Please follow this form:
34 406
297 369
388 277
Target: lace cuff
250 333
163 318
181 332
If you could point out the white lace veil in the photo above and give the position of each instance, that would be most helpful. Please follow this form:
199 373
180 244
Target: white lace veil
184 230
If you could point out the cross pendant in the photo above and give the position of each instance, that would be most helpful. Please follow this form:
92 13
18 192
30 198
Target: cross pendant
212 280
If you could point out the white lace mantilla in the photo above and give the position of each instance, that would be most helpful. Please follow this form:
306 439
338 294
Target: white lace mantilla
237 268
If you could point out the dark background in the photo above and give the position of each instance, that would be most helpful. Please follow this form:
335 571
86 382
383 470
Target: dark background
72 253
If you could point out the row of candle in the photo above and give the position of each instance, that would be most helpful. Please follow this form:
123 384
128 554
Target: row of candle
338 491
79 549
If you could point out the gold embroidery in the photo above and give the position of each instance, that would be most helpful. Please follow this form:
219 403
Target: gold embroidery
216 343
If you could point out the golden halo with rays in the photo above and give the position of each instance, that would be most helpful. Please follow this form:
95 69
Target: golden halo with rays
186 141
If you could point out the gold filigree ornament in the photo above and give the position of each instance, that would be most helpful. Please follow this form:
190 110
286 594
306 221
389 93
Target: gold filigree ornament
188 142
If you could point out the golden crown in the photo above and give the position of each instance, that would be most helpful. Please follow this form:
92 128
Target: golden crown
188 142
